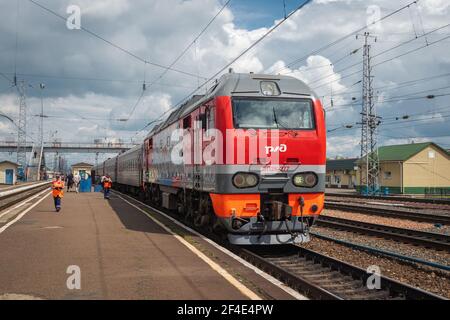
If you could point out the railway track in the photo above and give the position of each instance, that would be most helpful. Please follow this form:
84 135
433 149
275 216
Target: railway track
322 277
391 198
316 275
11 197
389 212
430 240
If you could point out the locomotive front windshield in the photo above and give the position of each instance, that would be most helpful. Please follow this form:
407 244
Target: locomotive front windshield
265 113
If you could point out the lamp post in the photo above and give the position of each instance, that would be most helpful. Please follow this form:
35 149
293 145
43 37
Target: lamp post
41 133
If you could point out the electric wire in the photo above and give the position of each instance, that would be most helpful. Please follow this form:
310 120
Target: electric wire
272 29
178 57
314 52
126 51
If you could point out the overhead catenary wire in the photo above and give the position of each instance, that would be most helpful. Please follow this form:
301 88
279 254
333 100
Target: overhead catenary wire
405 97
382 62
379 54
329 56
429 120
178 57
267 33
73 78
395 86
339 60
126 51
353 33
191 43
5 77
167 68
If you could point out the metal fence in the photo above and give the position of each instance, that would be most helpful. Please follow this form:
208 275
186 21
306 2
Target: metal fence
437 193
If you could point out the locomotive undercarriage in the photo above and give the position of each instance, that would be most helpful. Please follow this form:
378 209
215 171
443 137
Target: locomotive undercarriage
275 224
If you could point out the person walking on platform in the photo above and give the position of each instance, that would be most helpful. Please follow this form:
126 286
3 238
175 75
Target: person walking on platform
107 184
57 192
76 181
69 181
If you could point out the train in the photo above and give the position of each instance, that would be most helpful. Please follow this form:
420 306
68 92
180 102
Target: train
246 160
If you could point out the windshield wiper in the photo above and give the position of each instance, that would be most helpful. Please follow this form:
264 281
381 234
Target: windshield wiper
275 118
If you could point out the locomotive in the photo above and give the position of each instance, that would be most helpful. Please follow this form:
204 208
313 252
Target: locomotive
246 160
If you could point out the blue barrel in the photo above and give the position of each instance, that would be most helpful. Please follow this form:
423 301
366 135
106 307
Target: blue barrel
98 188
386 191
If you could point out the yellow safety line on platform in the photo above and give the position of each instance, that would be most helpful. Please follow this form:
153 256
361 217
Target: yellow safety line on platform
232 280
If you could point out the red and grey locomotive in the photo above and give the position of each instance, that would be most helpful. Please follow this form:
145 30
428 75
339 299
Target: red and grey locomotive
247 159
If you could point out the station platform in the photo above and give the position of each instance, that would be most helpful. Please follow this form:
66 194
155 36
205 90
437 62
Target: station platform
121 254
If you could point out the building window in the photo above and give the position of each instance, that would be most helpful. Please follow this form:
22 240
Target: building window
337 179
387 175
327 179
431 155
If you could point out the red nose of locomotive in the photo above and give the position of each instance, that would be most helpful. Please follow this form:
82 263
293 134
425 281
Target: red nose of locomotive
272 195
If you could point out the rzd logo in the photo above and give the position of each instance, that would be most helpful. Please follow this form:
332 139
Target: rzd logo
281 148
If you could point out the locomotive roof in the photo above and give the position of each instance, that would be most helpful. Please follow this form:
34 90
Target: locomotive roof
242 85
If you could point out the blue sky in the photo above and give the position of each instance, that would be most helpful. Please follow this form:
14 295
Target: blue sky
252 14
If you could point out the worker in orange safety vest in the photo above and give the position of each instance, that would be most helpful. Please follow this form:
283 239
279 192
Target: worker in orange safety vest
57 192
107 185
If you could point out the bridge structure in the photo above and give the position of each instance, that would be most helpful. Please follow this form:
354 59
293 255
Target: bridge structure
70 147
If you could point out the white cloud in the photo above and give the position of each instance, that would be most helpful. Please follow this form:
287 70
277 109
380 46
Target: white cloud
160 30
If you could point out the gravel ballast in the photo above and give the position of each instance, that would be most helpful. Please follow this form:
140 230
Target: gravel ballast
388 221
428 279
440 257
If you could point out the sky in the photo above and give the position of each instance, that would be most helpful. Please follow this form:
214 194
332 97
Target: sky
91 85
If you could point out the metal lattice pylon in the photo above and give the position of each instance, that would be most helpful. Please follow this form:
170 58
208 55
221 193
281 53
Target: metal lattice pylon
369 173
22 130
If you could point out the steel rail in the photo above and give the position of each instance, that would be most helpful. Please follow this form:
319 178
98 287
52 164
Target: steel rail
412 215
427 239
322 277
11 198
318 283
382 252
393 198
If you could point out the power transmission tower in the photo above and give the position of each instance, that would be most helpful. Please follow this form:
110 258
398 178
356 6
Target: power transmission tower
370 168
22 131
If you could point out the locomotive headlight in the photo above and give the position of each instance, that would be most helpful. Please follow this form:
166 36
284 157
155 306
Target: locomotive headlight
251 180
245 180
305 180
269 88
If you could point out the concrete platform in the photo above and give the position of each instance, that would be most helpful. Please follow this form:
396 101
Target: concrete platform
121 253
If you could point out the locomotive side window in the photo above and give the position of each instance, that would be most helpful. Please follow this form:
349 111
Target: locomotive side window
210 121
187 122
292 114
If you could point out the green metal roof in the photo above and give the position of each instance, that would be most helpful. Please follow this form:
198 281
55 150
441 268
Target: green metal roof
403 152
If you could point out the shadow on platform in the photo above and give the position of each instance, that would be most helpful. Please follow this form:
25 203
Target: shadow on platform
132 218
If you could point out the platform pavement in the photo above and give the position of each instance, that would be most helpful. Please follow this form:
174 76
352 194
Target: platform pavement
121 255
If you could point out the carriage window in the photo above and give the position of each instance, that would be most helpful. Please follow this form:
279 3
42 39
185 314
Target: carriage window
273 113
